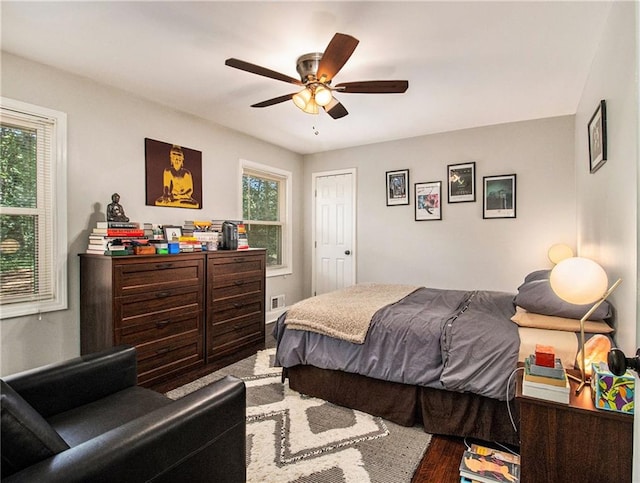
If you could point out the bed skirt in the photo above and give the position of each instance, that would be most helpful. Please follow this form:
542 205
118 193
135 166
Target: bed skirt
438 411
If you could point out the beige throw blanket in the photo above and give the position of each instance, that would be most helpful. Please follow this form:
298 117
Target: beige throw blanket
345 314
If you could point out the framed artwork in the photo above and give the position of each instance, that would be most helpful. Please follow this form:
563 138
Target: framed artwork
499 196
173 175
398 187
462 182
171 232
598 138
428 198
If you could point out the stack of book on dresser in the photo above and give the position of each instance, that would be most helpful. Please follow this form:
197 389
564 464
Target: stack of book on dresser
487 465
545 377
117 237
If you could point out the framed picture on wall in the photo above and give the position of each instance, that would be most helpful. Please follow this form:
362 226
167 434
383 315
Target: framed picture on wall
598 138
428 198
462 182
173 175
398 187
499 196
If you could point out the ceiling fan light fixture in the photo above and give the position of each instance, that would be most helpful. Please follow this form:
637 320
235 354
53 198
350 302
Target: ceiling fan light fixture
311 107
323 95
302 98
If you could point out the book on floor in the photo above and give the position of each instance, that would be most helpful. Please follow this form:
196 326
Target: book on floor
495 453
487 469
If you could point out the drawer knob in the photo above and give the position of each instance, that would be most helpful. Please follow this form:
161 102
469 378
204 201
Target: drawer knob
162 323
239 282
164 265
164 350
162 295
238 305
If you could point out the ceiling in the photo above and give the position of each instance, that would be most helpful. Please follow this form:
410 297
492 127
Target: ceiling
468 64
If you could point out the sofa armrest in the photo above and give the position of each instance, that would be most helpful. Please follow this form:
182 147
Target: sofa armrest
59 387
200 437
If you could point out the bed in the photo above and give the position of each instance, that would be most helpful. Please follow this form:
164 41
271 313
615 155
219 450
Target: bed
444 359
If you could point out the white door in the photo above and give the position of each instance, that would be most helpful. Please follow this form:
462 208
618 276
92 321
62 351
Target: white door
334 258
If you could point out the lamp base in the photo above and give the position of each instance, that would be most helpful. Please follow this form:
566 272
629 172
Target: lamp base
579 380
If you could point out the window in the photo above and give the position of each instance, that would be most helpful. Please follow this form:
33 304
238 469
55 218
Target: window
33 209
266 213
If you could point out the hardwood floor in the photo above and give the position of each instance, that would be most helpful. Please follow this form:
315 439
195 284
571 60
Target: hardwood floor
441 461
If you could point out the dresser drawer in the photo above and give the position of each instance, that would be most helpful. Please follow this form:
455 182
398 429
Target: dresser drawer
232 335
156 326
234 287
181 299
140 278
158 359
237 264
235 307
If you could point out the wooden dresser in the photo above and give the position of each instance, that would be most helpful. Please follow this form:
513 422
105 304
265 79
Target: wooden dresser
182 312
235 301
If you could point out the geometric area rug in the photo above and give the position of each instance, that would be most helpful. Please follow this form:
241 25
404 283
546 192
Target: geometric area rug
295 438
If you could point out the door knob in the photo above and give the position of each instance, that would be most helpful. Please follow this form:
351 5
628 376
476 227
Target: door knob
347 252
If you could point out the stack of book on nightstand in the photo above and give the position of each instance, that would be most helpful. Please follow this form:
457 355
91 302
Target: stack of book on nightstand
488 465
545 382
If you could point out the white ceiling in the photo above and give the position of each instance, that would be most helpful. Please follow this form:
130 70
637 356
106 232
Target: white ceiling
468 63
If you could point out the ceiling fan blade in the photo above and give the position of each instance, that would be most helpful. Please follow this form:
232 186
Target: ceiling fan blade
263 71
336 55
374 87
275 100
336 110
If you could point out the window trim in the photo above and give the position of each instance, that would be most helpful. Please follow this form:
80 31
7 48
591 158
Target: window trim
58 233
287 232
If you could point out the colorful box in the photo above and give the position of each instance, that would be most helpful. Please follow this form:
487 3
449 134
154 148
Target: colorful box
611 392
174 247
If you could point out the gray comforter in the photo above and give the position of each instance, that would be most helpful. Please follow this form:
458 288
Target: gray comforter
456 340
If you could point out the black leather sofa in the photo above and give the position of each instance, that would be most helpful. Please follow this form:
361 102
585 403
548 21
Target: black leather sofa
86 420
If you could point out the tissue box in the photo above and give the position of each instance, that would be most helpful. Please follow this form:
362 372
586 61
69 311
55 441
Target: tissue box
611 392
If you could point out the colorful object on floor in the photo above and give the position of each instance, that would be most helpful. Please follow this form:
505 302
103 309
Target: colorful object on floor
611 392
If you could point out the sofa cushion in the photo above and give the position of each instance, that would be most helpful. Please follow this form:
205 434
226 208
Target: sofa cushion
86 422
26 438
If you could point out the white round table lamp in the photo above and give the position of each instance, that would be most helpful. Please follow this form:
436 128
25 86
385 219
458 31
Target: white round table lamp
559 252
581 281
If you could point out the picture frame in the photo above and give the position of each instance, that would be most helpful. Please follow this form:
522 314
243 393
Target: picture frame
428 200
173 175
499 194
461 181
171 232
597 131
397 187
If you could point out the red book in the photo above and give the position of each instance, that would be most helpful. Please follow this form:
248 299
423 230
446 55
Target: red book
119 232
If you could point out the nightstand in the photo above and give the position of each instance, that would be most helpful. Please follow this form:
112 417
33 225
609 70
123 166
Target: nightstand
574 442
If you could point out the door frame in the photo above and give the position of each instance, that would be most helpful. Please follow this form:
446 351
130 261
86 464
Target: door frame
354 251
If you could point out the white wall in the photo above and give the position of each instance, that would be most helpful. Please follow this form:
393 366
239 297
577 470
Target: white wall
608 199
106 131
463 251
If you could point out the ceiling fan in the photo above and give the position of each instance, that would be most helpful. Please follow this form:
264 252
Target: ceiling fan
316 73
